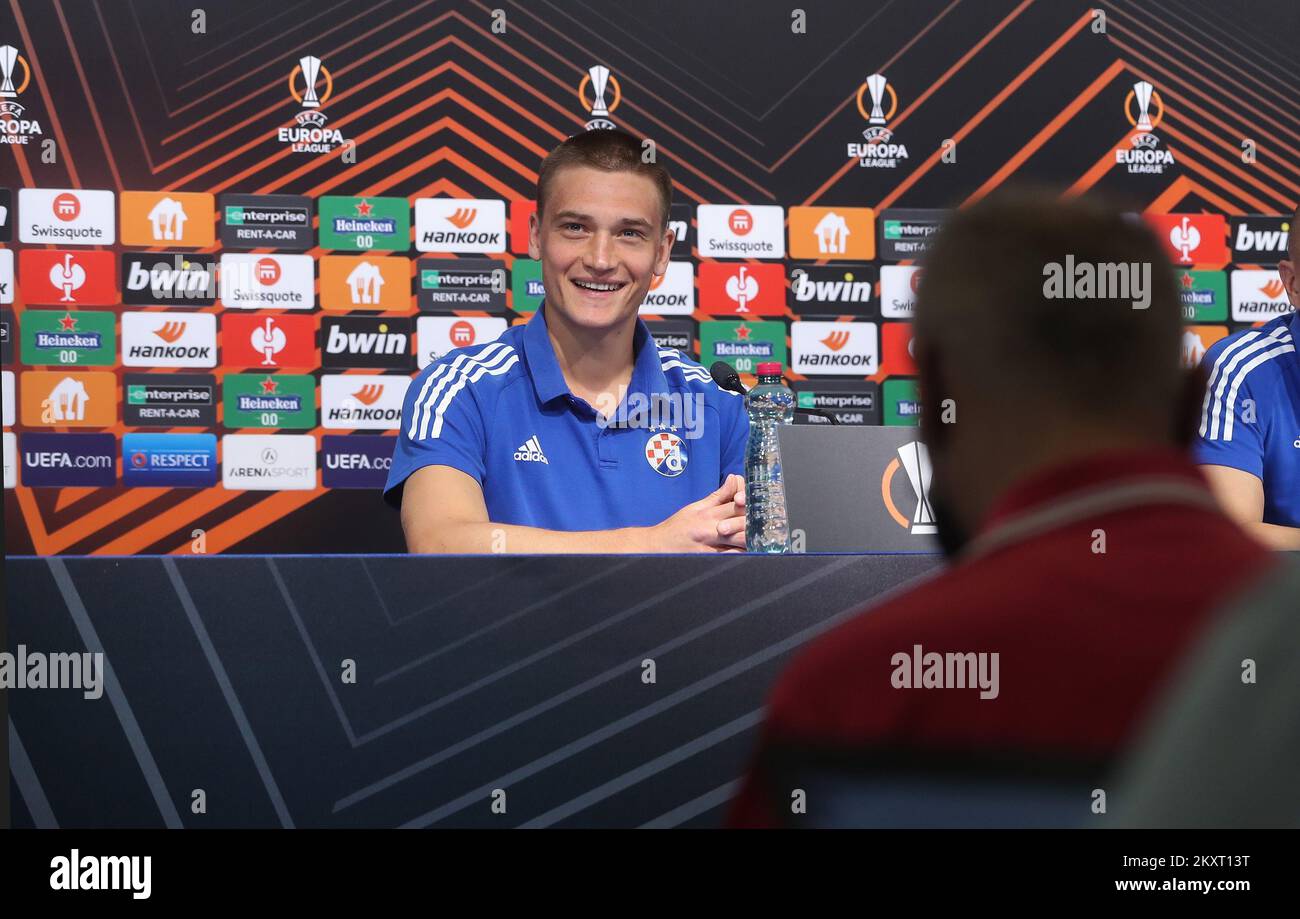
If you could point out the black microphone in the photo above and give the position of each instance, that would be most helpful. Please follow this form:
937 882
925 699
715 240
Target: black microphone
726 377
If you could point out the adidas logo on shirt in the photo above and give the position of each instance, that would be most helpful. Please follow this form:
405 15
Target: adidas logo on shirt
530 451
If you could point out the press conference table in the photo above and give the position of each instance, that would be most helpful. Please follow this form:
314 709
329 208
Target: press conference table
330 691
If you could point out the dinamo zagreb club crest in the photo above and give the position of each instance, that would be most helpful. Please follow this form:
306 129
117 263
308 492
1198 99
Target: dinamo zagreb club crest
666 454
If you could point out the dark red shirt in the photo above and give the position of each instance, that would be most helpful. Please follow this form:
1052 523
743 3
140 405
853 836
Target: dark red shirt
1085 638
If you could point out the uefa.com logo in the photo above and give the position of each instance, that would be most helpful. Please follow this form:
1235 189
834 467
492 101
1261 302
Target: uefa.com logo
14 128
602 82
1145 155
879 151
311 135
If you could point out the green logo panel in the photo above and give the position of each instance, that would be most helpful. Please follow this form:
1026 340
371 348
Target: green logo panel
743 345
269 400
526 285
361 224
1204 295
68 338
902 406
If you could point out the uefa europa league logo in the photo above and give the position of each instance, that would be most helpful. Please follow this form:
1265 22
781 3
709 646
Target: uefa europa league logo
1142 93
916 463
310 71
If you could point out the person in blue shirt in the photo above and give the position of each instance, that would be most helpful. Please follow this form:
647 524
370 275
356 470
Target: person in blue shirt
1249 438
575 432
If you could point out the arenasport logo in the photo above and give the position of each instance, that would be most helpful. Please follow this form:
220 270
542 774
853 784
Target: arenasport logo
1145 109
311 84
877 103
15 77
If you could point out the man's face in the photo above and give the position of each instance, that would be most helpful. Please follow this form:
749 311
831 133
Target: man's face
600 245
1286 269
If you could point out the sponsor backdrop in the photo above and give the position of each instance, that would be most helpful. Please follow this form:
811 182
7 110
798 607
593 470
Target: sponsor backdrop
230 236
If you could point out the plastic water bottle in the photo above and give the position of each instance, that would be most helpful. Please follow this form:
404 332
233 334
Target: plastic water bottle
769 404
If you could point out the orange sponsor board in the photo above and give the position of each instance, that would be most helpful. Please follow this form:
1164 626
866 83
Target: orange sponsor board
168 218
833 233
365 282
74 400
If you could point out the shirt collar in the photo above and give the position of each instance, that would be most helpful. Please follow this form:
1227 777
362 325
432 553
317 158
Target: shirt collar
1115 467
1295 329
548 379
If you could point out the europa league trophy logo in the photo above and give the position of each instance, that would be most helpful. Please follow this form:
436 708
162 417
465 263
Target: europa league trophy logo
601 83
1142 92
916 462
876 86
8 57
310 71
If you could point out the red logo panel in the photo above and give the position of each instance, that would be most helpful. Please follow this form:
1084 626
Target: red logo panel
736 289
59 277
269 341
1192 239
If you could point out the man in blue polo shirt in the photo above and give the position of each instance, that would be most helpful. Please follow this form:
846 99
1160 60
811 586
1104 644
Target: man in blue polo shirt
574 432
1249 438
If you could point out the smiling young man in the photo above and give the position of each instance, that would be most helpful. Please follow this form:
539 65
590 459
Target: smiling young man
575 432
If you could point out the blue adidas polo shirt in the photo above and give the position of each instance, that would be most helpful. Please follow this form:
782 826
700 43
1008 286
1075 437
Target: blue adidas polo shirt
1250 419
503 414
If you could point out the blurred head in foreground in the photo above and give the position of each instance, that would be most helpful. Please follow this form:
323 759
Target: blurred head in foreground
1045 329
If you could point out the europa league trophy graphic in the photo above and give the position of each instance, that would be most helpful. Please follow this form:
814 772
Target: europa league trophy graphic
8 57
310 71
599 77
916 462
1142 91
876 86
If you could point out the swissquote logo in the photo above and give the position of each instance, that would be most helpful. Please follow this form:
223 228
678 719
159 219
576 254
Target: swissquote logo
602 84
267 281
880 150
530 451
15 76
436 335
914 459
1144 154
66 217
311 85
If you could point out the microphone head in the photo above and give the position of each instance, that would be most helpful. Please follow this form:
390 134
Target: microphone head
725 376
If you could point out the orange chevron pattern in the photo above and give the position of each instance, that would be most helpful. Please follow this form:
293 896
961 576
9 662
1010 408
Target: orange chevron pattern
437 103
